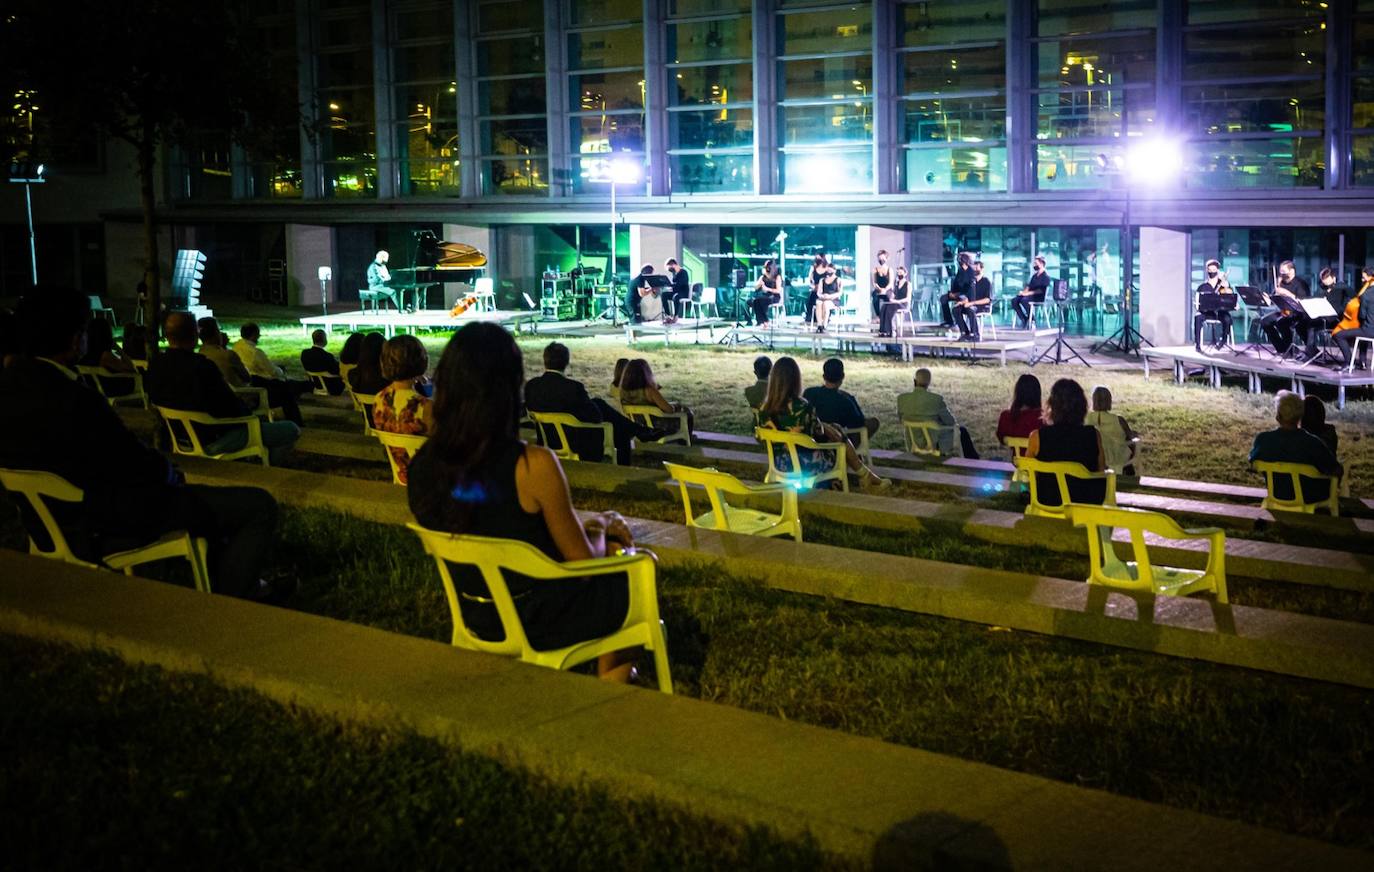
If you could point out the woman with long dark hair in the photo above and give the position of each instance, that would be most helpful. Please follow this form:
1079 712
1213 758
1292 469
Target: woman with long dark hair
784 408
767 291
476 476
639 388
1065 437
1023 418
366 378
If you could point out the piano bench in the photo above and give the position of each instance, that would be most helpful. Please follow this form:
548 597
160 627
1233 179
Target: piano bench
366 296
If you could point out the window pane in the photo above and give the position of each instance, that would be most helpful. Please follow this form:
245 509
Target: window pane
427 141
527 177
1059 17
835 30
818 125
344 68
818 172
495 16
511 57
956 169
944 22
511 97
343 108
1091 114
350 179
427 101
706 7
345 31
421 63
585 12
1362 160
711 173
423 23
1236 52
606 133
593 173
602 49
606 91
424 178
725 128
276 181
1254 163
348 143
1363 56
825 78
1362 102
515 136
730 39
1119 61
972 119
1069 167
698 86
1216 109
937 72
1214 11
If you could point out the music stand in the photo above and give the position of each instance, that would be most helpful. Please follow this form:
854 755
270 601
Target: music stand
1317 309
1254 299
1061 299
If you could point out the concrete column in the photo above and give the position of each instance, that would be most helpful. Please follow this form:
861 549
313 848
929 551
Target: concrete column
309 247
1020 102
513 253
312 183
765 98
650 243
482 238
886 108
388 172
465 75
1165 300
556 106
656 99
869 239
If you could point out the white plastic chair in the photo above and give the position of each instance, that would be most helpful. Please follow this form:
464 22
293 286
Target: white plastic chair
777 311
1142 574
858 437
185 439
987 323
36 487
256 399
95 376
1296 472
493 558
732 519
485 291
647 415
1062 471
319 385
560 423
394 442
707 300
100 310
1355 353
923 437
1033 308
774 440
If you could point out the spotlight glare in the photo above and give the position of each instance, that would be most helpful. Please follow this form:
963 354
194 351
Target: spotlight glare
1154 162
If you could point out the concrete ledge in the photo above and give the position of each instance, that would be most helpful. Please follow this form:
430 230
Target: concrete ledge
1282 642
879 805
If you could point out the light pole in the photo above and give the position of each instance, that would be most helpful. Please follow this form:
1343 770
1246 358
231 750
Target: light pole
626 172
28 174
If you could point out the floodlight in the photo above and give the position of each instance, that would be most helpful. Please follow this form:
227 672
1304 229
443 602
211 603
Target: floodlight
624 172
1155 161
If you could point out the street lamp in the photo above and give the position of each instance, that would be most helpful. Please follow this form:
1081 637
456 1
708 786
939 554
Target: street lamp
625 172
28 174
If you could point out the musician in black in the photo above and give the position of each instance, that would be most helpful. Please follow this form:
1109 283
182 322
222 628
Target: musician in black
882 277
901 299
959 288
1216 283
640 283
1033 292
1289 316
818 264
680 290
1337 293
767 291
966 311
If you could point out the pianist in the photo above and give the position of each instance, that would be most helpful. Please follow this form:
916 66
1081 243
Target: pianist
379 277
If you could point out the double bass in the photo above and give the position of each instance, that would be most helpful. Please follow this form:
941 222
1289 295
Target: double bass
1350 318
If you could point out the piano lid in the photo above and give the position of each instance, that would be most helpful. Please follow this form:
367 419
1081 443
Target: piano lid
442 254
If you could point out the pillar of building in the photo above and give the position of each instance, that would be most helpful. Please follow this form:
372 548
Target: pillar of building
511 264
870 239
654 244
483 239
1165 300
309 247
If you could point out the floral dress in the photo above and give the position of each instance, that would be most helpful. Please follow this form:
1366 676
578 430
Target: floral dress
800 417
402 411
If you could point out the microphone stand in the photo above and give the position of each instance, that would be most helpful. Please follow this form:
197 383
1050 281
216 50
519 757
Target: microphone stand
1060 345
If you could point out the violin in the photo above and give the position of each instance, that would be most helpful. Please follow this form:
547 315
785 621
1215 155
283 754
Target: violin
463 305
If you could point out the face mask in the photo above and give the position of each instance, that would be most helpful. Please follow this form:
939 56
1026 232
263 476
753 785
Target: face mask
1211 274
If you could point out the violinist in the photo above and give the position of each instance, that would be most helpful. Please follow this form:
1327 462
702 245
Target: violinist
1280 325
1216 283
1357 319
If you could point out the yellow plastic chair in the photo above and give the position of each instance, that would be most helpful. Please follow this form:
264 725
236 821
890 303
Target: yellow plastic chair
140 366
560 423
1062 471
732 519
404 441
778 440
1141 574
344 370
647 415
1018 445
858 437
496 557
95 376
185 439
363 403
1296 472
923 437
319 387
37 487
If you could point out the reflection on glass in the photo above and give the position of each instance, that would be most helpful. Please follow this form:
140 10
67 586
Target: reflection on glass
342 68
600 134
590 92
943 22
511 97
830 78
606 49
342 108
585 12
1097 113
592 172
1254 163
348 143
348 179
424 103
934 72
1121 60
956 169
421 63
848 29
420 178
719 39
733 83
711 173
527 177
1362 102
819 125
733 128
1362 160
429 141
422 23
1214 109
1058 17
276 181
1250 11
516 136
1070 167
961 119
496 16
511 57
1235 52
827 171
704 7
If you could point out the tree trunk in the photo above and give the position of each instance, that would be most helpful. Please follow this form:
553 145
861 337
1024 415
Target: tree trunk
152 271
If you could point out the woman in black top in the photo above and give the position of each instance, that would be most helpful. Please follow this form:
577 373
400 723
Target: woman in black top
901 299
817 273
882 277
1064 436
827 297
366 378
352 347
766 292
476 476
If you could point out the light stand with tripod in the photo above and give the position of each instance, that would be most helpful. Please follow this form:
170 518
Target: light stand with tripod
1059 346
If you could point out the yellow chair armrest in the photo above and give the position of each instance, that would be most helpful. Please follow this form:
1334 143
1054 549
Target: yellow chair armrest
606 565
1200 532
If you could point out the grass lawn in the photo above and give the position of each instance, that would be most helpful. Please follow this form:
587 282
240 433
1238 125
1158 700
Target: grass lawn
1280 752
1189 432
109 764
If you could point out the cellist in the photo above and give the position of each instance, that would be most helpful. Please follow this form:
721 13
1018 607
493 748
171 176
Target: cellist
1356 321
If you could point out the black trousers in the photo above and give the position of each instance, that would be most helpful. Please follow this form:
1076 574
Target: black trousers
811 307
1345 341
589 445
946 307
1279 329
281 394
632 304
1224 316
888 313
1022 306
760 304
967 318
672 302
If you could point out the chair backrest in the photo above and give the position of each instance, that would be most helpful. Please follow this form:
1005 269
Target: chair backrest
36 487
923 437
708 296
399 442
318 379
186 439
1017 445
344 370
1295 473
1107 568
364 403
484 285
774 440
560 423
858 437
714 482
1062 470
95 376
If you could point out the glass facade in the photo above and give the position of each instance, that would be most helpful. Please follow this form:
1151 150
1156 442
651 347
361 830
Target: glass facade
710 98
511 99
425 99
345 98
274 169
606 89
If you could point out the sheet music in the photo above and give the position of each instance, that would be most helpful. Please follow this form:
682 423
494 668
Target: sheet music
1317 307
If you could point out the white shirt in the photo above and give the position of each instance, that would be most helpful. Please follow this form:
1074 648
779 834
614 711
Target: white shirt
256 360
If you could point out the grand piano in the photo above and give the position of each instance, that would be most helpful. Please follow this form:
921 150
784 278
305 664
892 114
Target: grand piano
437 262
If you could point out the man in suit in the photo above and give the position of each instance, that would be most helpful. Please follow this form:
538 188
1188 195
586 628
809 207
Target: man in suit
835 406
317 358
131 495
554 392
1291 444
178 378
757 392
923 405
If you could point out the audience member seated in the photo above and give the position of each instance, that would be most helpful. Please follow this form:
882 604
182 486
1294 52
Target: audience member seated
263 373
366 377
554 392
131 494
101 350
1314 422
638 388
757 392
214 346
402 406
135 344
921 404
617 374
1117 449
1025 415
178 378
1291 444
834 406
784 408
1065 437
348 355
476 476
317 358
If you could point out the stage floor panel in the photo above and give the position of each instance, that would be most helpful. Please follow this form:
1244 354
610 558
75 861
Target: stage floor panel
1255 367
390 322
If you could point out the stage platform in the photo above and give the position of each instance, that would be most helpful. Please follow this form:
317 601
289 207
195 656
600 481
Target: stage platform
650 330
1255 368
391 322
854 336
